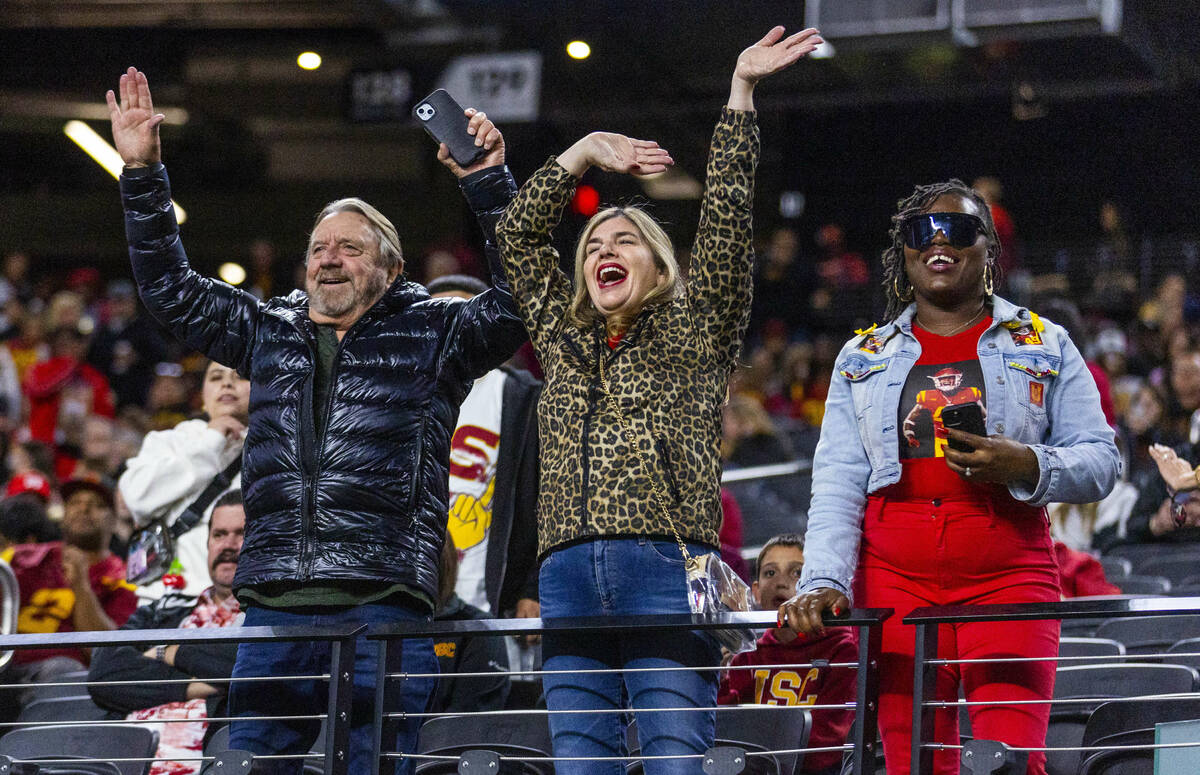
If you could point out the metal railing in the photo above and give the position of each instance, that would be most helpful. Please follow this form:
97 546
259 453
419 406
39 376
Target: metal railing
10 606
927 620
336 750
867 621
340 677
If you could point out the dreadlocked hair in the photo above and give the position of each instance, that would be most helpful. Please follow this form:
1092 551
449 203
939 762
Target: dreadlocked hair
896 286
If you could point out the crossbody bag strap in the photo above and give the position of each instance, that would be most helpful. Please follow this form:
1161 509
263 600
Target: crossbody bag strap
658 496
192 515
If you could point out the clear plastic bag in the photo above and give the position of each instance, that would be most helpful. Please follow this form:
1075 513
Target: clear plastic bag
151 551
713 588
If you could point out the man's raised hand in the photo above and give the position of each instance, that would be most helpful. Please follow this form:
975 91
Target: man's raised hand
134 122
487 136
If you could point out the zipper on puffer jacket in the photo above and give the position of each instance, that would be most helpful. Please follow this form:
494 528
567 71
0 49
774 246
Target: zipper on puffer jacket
308 464
315 452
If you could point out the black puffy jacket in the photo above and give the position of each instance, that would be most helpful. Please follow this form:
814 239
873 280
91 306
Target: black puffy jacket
368 501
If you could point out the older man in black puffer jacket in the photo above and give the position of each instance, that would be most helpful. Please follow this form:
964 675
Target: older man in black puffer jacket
355 389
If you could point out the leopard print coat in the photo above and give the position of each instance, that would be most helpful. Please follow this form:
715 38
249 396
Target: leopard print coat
668 374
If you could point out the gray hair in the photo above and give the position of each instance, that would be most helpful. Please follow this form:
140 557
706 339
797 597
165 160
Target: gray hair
390 255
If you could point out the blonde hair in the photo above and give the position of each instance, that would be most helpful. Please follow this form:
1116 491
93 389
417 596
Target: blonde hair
750 414
583 312
390 255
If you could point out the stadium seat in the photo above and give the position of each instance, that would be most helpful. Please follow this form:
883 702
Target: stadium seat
758 761
518 736
1114 718
1176 569
1122 762
119 741
1116 568
1123 680
1068 721
46 691
57 709
1150 635
1176 653
1089 647
1144 585
756 728
1140 553
771 728
65 767
219 743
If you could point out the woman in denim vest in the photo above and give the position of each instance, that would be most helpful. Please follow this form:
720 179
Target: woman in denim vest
901 519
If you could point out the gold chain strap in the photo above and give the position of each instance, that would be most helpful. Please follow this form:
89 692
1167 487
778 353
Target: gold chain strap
658 496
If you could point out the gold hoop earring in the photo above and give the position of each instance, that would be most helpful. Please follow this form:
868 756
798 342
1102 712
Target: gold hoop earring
987 280
907 295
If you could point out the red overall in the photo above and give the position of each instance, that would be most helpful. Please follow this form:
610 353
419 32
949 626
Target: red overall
936 539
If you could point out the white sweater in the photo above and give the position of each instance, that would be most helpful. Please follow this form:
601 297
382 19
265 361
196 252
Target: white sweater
169 472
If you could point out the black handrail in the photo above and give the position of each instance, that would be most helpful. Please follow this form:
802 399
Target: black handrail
342 665
926 620
92 638
868 620
341 673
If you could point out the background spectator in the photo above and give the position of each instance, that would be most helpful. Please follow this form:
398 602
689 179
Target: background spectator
777 571
23 519
466 654
70 585
144 697
174 467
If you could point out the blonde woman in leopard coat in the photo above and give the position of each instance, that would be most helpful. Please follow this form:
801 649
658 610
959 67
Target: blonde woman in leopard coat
637 362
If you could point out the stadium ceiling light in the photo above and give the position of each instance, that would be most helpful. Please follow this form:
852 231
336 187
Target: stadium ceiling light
105 155
577 49
232 273
309 60
824 51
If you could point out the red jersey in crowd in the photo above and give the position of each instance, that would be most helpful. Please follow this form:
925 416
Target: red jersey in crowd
1081 574
60 379
47 600
816 685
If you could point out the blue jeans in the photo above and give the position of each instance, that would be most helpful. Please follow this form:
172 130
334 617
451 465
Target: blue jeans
288 698
620 577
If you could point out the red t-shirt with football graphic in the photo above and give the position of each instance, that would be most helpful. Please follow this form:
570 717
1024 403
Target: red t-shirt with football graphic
947 373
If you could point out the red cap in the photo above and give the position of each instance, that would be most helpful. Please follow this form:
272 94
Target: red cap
30 481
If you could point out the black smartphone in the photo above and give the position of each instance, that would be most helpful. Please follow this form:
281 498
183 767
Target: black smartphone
444 120
964 417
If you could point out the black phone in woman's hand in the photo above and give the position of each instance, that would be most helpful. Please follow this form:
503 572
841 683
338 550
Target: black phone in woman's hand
964 417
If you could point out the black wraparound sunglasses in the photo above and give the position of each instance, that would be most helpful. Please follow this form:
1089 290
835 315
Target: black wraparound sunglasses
961 229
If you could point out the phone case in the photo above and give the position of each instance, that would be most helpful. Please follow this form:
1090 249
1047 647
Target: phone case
444 120
964 418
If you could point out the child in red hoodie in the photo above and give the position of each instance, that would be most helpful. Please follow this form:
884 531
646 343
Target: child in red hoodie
812 681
